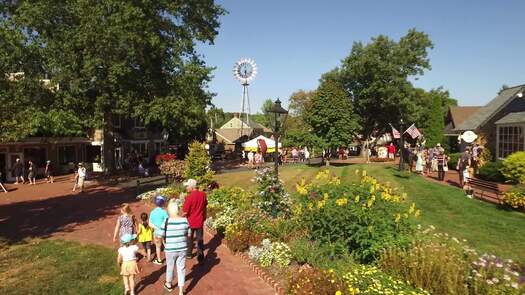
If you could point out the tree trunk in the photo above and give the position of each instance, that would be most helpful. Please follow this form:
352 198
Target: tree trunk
108 150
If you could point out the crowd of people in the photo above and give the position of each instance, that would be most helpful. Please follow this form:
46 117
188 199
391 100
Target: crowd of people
434 159
172 227
22 172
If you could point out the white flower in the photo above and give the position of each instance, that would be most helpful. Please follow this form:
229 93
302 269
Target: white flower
490 282
514 285
506 277
499 265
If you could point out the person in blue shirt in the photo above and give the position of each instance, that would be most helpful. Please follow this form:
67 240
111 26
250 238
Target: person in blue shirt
157 219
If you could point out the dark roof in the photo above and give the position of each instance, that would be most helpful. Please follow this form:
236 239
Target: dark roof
484 114
518 117
256 125
459 114
231 135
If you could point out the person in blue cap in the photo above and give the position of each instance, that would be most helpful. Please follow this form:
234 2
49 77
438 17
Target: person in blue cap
127 260
157 218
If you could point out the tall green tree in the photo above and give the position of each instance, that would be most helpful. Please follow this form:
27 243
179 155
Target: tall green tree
264 117
436 123
133 58
376 77
330 114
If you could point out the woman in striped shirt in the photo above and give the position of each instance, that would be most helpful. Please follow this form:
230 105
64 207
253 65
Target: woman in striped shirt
175 246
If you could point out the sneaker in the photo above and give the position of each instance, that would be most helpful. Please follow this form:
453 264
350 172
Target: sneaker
157 262
168 288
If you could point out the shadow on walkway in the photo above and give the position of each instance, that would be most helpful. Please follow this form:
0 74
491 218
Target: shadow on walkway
41 218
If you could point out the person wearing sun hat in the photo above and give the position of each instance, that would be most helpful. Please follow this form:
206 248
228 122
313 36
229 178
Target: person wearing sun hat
157 218
80 177
195 210
127 259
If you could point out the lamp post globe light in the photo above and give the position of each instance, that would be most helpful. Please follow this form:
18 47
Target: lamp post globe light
165 135
279 116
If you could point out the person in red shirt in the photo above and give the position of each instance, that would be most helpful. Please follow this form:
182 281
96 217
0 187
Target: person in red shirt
391 151
195 211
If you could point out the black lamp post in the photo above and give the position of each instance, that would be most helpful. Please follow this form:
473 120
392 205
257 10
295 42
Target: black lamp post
165 135
279 117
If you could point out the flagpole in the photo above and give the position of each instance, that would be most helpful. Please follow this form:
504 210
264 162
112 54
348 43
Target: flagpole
401 147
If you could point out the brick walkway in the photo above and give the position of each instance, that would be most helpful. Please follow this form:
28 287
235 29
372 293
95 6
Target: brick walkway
53 211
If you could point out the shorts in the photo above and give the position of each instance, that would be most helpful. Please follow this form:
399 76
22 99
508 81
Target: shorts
80 182
146 245
158 233
129 268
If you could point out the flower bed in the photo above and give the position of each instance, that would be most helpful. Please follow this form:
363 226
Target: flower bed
357 238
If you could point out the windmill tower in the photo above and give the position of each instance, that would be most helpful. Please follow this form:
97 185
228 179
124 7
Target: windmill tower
245 70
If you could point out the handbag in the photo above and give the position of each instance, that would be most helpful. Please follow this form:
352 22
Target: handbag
445 167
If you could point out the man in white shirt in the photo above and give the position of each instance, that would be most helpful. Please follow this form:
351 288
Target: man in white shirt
80 177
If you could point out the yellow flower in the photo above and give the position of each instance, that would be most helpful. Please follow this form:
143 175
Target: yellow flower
341 202
320 204
417 213
398 217
338 292
412 208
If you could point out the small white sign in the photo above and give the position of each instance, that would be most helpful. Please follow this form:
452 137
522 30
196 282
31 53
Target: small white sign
469 136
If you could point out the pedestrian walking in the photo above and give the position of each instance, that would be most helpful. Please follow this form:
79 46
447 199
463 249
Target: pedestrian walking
1 185
442 165
463 162
127 260
18 171
49 172
195 210
125 223
31 172
175 246
157 218
145 235
80 177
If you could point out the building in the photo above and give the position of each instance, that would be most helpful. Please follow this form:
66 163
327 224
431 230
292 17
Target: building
236 131
131 141
500 124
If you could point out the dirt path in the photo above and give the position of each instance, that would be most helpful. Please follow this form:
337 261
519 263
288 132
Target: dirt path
53 211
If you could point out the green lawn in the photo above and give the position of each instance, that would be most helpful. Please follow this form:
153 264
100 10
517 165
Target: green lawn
58 267
485 226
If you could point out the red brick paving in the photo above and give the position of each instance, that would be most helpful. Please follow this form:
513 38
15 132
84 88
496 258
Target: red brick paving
53 211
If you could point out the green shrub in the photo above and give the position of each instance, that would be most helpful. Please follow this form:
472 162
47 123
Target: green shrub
367 217
443 264
514 167
324 256
197 165
453 160
491 171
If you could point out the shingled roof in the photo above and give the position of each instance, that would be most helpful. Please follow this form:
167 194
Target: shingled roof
459 114
484 114
511 118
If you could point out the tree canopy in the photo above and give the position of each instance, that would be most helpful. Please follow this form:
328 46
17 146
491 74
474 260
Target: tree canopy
134 58
330 114
376 77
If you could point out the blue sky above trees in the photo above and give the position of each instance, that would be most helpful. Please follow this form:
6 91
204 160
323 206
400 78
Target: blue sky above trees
478 44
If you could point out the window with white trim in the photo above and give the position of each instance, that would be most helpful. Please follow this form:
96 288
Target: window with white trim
510 140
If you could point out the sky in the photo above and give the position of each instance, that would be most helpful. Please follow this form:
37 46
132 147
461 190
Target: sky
478 45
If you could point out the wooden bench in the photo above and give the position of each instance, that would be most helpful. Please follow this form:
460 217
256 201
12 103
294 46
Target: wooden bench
486 186
151 181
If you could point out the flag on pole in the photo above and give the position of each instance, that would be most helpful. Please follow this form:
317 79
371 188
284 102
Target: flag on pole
413 131
395 132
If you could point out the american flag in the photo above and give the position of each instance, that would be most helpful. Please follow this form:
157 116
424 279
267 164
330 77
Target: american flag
395 133
413 131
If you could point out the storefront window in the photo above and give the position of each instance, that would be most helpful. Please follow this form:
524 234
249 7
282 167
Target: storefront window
93 154
66 154
510 140
37 155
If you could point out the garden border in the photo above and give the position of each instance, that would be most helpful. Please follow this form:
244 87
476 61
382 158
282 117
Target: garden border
268 279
